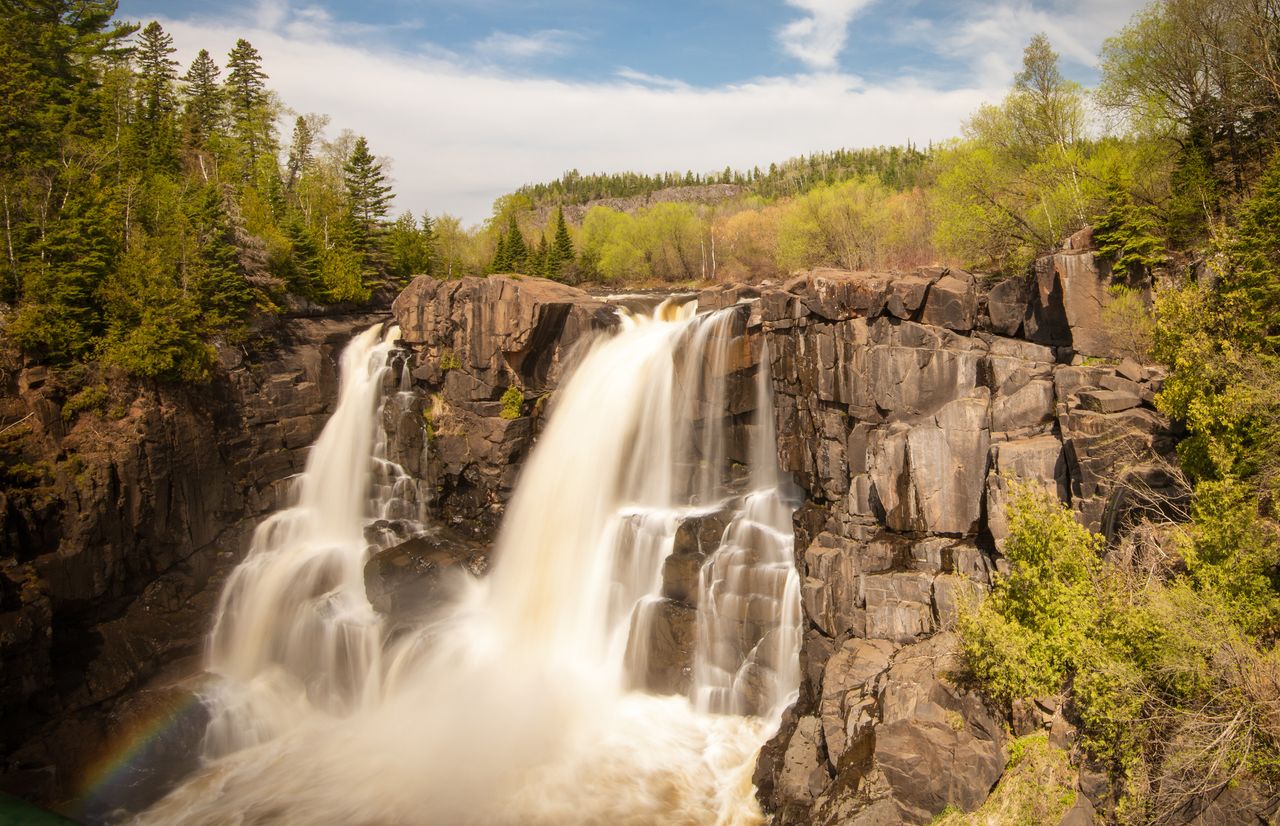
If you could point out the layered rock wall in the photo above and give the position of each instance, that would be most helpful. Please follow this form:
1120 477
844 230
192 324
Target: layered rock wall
111 563
908 407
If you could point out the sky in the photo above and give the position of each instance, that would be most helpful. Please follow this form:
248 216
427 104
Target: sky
469 99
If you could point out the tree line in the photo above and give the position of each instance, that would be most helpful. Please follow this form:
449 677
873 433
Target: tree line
151 209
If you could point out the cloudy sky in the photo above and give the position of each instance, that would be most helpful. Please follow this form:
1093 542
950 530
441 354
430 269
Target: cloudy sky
472 98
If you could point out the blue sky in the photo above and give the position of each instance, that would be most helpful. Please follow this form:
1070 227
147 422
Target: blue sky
471 98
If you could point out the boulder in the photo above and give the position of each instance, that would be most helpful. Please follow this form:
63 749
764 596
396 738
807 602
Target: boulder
952 302
404 581
936 744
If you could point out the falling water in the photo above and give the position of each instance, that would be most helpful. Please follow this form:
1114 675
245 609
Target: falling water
516 703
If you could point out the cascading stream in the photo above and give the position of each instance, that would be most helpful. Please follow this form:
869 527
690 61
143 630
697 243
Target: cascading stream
514 703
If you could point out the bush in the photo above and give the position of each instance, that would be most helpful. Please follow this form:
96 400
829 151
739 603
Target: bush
91 399
512 402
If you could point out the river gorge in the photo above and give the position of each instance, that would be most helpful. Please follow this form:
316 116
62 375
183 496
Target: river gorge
517 553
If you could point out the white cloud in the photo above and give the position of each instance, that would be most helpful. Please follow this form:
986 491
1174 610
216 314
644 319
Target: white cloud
990 37
646 79
818 39
462 135
545 43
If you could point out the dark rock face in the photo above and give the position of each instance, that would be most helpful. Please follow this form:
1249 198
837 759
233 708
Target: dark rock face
907 407
908 432
109 569
474 340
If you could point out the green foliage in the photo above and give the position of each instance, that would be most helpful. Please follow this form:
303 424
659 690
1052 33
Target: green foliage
1164 669
1127 234
449 361
512 403
1038 787
1029 636
368 193
92 399
1129 322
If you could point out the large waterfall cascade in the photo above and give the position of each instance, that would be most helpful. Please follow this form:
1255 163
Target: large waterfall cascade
515 702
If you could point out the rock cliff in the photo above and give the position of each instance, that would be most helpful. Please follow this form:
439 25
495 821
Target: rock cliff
120 521
907 406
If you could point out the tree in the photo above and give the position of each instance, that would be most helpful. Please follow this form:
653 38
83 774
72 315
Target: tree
300 152
369 194
202 117
157 99
560 253
247 97
517 250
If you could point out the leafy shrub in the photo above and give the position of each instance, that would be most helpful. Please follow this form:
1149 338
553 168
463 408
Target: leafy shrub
92 398
512 402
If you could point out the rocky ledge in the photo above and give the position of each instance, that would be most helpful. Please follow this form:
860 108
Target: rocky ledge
907 406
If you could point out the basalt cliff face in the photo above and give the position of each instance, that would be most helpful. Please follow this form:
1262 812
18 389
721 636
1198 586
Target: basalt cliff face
115 544
907 406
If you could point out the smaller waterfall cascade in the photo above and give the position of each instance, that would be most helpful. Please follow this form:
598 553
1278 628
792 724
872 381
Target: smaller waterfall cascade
517 701
293 631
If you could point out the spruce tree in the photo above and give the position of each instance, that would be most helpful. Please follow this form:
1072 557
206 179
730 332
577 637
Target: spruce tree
156 97
202 117
369 194
302 273
300 152
561 253
221 291
517 250
248 101
501 255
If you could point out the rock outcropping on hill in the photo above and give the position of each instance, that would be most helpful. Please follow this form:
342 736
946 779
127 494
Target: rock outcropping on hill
116 541
907 406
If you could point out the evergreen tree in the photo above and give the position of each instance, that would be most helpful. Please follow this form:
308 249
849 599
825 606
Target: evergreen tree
536 261
302 273
517 250
560 254
248 101
501 255
202 117
214 276
300 152
61 312
368 193
156 97
1127 234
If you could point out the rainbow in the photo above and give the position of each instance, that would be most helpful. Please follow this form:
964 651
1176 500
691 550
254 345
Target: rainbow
156 745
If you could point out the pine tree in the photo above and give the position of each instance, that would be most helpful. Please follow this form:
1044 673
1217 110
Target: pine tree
202 117
302 273
536 261
221 291
501 255
61 313
561 253
248 101
1127 234
300 152
156 97
369 194
517 250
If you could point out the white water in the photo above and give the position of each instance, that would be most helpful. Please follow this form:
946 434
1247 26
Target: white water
512 705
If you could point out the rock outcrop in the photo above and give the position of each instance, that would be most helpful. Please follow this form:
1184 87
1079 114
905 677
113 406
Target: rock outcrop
127 517
908 407
488 353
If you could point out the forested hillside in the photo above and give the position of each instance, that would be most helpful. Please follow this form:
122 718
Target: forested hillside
151 208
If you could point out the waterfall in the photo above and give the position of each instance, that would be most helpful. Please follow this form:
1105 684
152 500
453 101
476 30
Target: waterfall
516 702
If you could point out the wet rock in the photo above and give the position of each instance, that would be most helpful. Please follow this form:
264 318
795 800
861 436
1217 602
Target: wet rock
671 634
404 581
